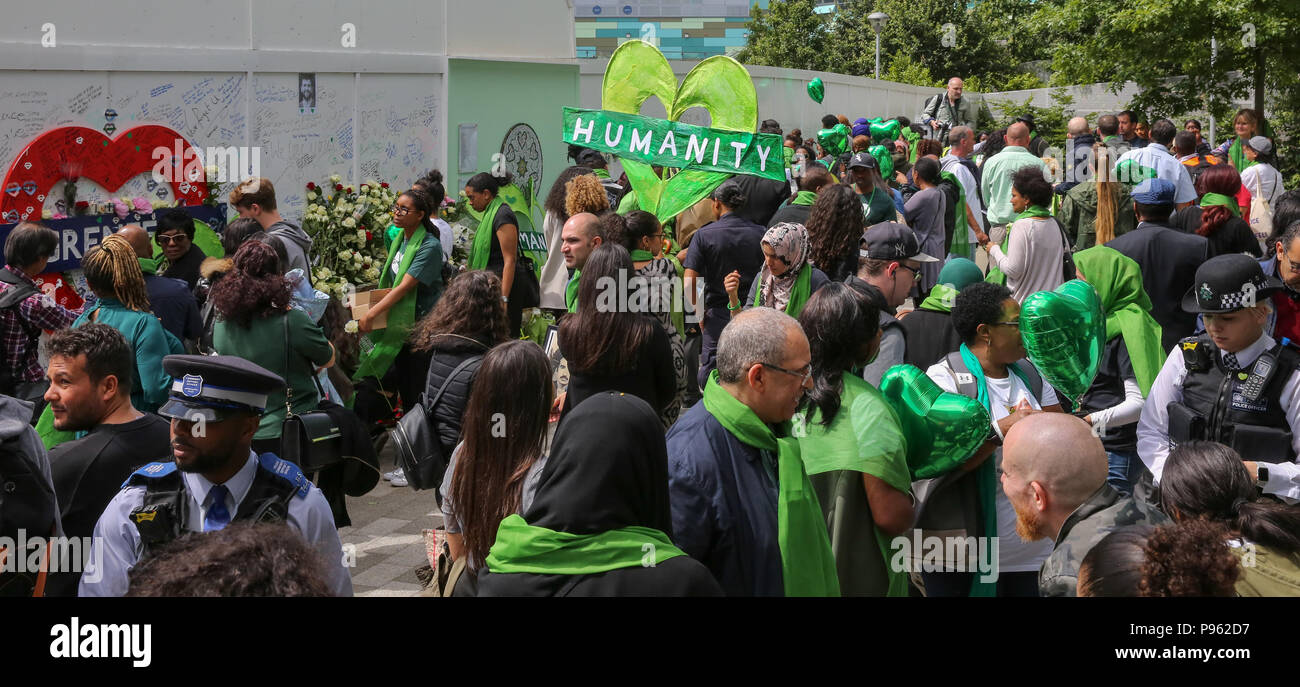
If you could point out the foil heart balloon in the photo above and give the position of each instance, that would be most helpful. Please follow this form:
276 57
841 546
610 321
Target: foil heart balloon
1064 332
881 153
882 131
817 90
942 429
834 140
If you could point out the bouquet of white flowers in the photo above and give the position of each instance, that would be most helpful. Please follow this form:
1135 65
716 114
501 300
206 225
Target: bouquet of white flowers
348 229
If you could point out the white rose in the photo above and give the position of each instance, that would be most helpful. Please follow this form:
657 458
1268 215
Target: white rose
324 273
311 195
351 327
365 188
361 235
345 255
349 222
334 178
372 274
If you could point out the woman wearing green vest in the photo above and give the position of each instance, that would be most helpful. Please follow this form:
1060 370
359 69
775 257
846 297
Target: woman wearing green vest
413 270
786 280
852 445
598 527
1245 124
496 240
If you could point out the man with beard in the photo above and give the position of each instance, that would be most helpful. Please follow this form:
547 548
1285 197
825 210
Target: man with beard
215 478
90 391
1054 474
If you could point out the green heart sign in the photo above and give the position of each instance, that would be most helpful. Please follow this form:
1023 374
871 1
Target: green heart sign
1064 332
638 71
942 429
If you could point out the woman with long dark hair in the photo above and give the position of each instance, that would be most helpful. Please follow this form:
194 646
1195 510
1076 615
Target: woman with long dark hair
835 226
413 270
493 473
1218 216
496 240
1203 479
611 346
468 320
660 281
255 322
554 275
852 444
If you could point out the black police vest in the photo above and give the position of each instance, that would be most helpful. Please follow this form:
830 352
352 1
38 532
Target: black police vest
1242 410
162 516
27 505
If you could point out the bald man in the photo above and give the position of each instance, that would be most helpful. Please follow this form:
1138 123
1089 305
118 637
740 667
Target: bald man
1078 154
171 299
949 109
995 178
578 238
1054 474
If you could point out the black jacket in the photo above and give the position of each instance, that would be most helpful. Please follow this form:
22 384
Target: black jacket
764 198
450 411
930 336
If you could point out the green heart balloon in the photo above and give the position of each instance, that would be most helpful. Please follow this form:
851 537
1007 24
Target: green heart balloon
942 429
834 140
638 71
1064 332
884 131
881 153
817 90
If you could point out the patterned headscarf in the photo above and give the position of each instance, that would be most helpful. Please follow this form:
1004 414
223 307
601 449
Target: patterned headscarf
789 242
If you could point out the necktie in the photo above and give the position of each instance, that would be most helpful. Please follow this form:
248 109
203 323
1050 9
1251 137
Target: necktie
218 516
1230 362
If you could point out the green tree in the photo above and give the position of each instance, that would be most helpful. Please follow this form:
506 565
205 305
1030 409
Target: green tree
789 34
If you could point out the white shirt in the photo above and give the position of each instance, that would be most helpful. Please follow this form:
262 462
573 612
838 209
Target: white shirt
953 165
1014 554
1167 167
1153 428
117 541
445 237
1265 181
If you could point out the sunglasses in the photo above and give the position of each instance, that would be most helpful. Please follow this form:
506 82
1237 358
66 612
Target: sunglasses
172 238
916 272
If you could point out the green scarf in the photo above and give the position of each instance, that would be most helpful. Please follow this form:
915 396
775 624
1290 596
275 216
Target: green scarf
912 139
995 275
807 564
388 341
960 246
804 198
639 255
149 265
482 248
799 293
1118 281
986 475
524 548
1219 199
571 291
1238 156
940 298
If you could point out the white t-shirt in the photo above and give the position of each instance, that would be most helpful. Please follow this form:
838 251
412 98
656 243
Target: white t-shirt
1014 555
1264 180
445 237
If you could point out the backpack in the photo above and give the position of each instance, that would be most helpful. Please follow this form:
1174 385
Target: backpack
1197 169
419 452
19 290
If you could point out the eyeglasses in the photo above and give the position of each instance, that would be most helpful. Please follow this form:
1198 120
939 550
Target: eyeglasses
1012 323
1292 265
171 238
803 376
399 211
916 272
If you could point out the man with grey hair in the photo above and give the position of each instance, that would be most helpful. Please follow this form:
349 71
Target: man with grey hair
1054 474
949 109
1078 154
958 163
727 460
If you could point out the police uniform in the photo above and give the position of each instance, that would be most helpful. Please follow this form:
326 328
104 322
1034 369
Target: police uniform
1249 400
159 502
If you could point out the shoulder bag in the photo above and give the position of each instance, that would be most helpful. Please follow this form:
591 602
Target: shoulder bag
311 440
419 452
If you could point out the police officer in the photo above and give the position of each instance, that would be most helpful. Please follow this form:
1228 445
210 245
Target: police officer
215 477
1232 384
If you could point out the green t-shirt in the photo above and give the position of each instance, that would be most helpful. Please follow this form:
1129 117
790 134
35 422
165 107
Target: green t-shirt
877 206
263 344
864 437
426 267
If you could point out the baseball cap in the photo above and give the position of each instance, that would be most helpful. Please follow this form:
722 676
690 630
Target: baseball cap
891 241
1154 192
1261 144
864 159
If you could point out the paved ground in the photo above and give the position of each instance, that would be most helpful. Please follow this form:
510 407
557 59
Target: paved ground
385 536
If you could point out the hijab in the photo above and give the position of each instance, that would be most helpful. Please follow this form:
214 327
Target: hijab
1118 280
789 242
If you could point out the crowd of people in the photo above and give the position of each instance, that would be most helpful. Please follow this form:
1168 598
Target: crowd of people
711 420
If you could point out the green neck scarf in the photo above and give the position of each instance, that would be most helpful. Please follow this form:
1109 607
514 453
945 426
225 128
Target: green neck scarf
807 564
986 475
799 293
804 198
1034 211
601 173
639 255
482 248
149 265
960 245
1238 156
995 275
524 548
912 138
1118 281
940 299
571 291
388 341
1219 199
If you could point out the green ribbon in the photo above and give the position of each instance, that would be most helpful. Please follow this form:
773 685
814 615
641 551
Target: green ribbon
1229 202
807 564
799 293
482 248
571 291
524 548
959 246
1238 156
940 298
986 475
388 341
804 198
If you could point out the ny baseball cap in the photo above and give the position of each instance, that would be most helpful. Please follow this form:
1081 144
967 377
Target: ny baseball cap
891 241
